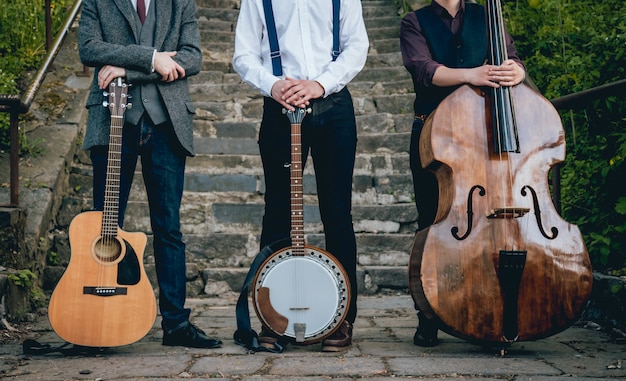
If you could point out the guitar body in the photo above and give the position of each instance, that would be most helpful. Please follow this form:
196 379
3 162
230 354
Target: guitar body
103 302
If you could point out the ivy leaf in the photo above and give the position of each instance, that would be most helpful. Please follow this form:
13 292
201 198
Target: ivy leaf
620 206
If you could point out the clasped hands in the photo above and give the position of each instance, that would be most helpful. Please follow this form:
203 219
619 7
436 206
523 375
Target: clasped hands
169 70
292 93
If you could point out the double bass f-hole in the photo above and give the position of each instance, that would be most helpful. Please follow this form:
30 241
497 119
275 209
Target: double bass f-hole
553 229
470 213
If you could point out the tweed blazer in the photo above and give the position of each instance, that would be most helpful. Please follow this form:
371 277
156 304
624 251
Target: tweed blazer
108 35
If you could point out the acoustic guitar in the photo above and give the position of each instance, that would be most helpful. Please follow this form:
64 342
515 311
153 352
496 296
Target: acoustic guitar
104 298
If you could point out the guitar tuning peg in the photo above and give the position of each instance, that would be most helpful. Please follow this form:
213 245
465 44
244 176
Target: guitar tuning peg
129 106
105 93
105 103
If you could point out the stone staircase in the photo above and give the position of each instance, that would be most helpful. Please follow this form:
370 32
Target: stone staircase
223 199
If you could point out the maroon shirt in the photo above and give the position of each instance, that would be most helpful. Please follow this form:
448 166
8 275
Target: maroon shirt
416 55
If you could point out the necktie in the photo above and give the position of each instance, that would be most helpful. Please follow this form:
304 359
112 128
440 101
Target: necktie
141 10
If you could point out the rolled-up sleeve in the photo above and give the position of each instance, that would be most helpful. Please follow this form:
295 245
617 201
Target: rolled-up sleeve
416 55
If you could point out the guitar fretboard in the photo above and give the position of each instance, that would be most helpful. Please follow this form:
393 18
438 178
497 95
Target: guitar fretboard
112 186
117 103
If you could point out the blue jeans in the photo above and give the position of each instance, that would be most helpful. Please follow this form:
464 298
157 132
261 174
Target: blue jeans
163 169
329 133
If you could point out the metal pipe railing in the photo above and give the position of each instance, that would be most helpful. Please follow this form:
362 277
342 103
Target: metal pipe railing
582 98
15 105
577 101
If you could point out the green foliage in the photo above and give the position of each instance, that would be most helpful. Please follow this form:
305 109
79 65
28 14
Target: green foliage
38 298
23 46
569 46
21 278
53 258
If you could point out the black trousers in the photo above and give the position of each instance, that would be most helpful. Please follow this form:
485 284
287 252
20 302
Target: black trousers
329 134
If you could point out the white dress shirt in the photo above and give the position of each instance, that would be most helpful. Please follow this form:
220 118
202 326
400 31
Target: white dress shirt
305 39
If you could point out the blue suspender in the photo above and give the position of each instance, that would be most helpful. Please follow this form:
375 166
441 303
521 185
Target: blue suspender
335 29
277 66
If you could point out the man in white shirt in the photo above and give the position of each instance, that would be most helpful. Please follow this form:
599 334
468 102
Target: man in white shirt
310 77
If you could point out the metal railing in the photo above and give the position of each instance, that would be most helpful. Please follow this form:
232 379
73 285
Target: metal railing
16 105
577 101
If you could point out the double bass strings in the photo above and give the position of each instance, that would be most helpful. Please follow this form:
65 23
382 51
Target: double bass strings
504 124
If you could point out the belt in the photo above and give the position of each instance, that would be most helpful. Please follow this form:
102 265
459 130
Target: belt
421 117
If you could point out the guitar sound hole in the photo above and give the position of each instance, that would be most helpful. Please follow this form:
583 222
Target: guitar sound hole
107 249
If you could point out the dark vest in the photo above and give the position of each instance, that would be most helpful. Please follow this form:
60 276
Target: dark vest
146 97
467 50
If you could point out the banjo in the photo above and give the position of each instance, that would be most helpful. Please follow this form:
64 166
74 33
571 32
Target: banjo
300 292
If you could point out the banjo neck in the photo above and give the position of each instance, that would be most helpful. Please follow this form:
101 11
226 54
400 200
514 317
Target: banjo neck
296 193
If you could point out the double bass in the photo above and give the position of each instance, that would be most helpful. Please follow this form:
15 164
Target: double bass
498 264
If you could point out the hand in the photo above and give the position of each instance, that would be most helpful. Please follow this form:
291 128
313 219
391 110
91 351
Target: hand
293 93
108 73
169 69
507 74
300 92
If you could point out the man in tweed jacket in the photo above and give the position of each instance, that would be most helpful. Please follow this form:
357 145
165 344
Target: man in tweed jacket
155 54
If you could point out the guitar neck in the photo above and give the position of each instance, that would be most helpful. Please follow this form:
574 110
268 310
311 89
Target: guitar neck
112 186
297 213
117 103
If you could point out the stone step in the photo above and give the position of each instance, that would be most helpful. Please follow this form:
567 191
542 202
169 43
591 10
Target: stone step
384 32
222 14
382 21
370 81
218 4
223 203
370 279
224 26
372 123
377 133
378 9
389 45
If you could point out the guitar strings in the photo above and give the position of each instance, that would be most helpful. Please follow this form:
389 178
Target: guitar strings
110 248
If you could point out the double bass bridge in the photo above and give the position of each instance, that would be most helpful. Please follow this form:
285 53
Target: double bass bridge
508 212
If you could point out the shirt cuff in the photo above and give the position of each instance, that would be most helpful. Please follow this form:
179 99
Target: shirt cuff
152 64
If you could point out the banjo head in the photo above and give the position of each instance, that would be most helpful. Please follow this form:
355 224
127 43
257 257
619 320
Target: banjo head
302 297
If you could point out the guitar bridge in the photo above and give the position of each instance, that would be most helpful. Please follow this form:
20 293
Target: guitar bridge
104 291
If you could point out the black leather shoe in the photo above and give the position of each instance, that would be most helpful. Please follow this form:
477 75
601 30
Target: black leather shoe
190 336
426 333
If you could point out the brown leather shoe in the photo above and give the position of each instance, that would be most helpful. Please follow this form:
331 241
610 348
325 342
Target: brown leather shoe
269 340
340 340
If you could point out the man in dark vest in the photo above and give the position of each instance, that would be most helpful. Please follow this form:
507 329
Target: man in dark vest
154 45
444 46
